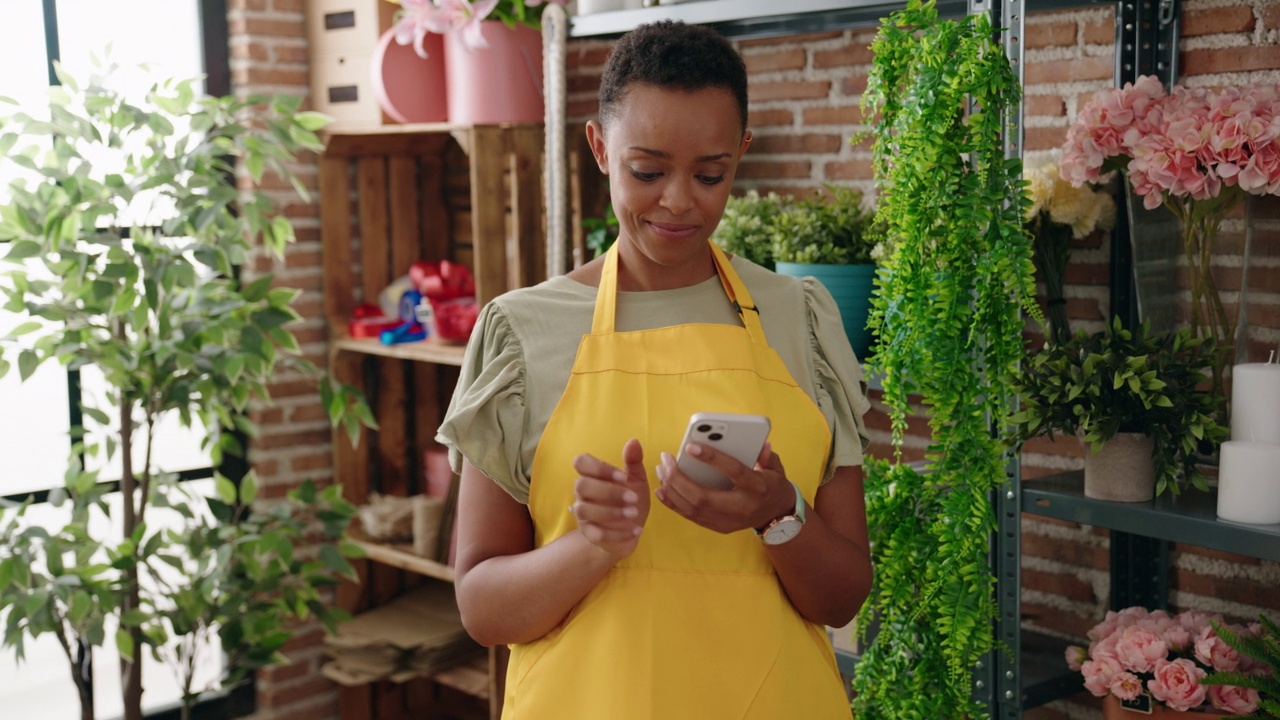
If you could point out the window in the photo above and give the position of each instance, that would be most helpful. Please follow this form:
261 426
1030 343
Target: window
174 38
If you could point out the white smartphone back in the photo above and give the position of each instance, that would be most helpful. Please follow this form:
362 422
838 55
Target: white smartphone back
739 436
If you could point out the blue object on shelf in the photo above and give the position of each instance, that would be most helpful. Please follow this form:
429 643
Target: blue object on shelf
406 333
409 305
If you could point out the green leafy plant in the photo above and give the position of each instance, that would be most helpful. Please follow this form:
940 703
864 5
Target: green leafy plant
746 228
123 244
1135 381
601 232
1264 650
948 320
835 230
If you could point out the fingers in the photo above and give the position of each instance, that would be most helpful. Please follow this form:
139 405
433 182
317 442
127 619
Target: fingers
611 504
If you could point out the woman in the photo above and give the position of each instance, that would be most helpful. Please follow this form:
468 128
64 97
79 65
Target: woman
626 589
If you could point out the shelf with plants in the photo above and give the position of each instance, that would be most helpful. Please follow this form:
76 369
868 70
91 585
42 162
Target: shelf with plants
1190 517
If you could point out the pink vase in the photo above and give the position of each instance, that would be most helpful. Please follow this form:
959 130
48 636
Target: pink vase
410 89
501 83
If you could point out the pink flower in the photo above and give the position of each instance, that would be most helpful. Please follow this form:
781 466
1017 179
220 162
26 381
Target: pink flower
1195 621
464 16
1177 637
1140 648
1214 651
1076 656
1126 686
1098 674
1177 683
1233 700
415 23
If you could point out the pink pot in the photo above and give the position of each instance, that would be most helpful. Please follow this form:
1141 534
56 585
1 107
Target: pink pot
1113 710
501 83
410 89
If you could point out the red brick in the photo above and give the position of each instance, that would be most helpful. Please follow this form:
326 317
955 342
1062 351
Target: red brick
854 85
273 76
1239 590
587 54
833 115
300 438
267 415
1214 21
292 388
314 461
584 83
1060 620
789 59
774 169
291 54
807 143
1208 61
859 169
770 118
1050 34
842 57
1044 138
262 27
791 39
1068 586
1072 70
308 413
1101 31
1051 105
250 5
1069 553
289 6
1271 16
285 672
250 51
790 90
582 109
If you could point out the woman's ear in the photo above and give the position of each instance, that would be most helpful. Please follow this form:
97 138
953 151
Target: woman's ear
595 138
746 142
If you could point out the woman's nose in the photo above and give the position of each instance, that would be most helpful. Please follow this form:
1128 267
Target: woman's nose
677 196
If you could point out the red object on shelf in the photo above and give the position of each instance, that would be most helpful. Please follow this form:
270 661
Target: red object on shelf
372 327
444 280
455 318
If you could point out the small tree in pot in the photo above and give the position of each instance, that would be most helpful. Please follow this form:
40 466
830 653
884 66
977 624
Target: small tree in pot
123 244
1119 383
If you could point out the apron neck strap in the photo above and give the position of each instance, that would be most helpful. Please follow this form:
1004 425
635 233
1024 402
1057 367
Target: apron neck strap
607 296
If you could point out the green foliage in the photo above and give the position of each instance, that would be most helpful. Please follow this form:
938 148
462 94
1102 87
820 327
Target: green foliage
1263 648
746 228
1121 380
601 232
123 248
831 227
817 229
947 317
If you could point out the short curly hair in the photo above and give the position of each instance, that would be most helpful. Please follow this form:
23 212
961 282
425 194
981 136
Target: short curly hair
671 54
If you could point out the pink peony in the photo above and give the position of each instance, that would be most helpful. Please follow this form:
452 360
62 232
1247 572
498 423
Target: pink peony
1214 651
1177 637
1177 684
1098 674
1076 656
1233 700
1126 686
1140 648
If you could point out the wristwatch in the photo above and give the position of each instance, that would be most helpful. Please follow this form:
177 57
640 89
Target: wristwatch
780 530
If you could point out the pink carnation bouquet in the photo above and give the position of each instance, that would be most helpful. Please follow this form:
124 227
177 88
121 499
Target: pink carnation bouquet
1143 656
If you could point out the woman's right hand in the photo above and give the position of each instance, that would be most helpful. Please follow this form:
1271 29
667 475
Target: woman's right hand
611 504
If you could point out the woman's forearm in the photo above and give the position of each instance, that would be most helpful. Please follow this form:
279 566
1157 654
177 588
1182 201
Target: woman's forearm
519 598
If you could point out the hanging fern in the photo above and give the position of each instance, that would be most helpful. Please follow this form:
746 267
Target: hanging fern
948 315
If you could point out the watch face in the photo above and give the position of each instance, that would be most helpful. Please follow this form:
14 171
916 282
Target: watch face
783 530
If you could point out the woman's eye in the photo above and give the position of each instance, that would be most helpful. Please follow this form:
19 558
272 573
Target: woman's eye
645 176
710 179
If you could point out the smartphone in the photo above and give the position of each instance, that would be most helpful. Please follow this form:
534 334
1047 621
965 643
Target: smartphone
739 436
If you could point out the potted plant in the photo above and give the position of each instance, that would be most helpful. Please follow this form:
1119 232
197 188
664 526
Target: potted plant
1153 664
746 227
123 244
1258 648
1138 400
947 317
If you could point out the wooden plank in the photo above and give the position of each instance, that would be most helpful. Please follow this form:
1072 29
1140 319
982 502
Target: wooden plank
402 176
392 140
527 243
371 186
433 210
400 555
427 351
355 703
488 221
335 241
429 397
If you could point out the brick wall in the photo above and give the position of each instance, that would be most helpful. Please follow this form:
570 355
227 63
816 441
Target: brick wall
269 55
805 91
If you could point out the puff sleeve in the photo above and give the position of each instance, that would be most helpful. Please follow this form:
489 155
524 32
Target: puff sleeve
838 379
486 419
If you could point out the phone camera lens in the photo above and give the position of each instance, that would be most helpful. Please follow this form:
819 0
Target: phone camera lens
704 428
715 436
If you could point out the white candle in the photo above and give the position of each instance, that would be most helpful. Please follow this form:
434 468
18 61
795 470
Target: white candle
1249 483
1255 403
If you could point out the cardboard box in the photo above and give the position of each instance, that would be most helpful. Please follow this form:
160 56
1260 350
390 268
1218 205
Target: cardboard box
337 27
342 87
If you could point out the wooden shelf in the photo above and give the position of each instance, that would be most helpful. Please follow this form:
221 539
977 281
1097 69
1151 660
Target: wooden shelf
471 677
421 351
400 555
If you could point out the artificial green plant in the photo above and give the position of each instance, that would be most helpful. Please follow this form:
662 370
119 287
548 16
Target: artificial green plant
122 243
948 319
1263 649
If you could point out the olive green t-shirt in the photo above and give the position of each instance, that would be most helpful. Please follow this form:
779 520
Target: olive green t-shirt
521 352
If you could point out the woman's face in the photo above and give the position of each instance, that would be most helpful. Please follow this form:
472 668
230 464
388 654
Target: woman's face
671 156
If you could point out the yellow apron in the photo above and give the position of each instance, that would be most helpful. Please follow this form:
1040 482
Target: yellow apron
694 624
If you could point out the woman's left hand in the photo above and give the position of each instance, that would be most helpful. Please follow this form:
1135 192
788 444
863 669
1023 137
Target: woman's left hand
759 494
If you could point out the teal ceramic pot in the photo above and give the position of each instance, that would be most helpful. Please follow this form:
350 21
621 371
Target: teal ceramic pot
851 286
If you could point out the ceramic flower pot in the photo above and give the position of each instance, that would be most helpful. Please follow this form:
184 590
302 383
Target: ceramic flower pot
1122 471
1113 710
410 89
501 83
851 287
